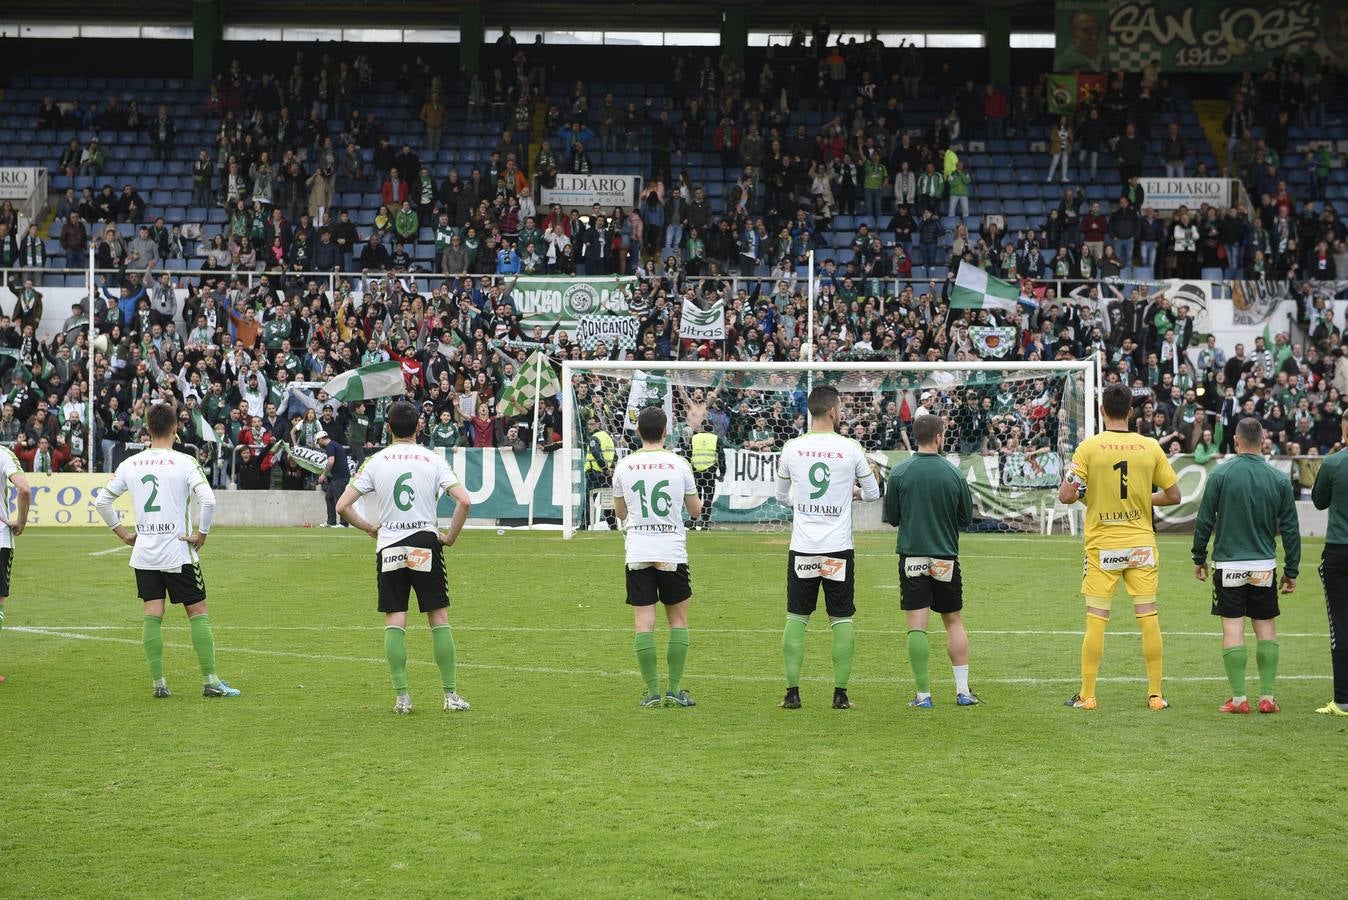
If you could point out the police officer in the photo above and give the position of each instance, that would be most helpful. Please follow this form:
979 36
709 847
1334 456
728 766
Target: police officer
708 459
600 456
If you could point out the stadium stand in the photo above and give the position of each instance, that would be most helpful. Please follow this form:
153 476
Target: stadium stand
315 218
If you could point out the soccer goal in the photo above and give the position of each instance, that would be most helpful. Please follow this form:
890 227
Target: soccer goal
1011 428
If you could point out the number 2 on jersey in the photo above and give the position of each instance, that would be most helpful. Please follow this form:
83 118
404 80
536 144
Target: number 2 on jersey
401 488
1122 468
819 476
153 482
660 502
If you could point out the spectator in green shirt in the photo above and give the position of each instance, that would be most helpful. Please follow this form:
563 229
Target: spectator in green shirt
957 188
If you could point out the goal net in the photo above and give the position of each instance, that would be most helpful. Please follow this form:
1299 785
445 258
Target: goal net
1010 428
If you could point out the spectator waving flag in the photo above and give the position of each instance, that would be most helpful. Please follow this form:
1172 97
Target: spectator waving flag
383 379
698 324
976 289
537 379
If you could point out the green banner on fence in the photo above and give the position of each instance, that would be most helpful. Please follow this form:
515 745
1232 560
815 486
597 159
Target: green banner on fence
547 300
1184 36
500 482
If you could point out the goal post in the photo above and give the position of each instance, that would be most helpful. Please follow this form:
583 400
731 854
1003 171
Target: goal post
1011 428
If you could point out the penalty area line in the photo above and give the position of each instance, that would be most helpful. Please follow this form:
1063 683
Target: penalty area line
629 673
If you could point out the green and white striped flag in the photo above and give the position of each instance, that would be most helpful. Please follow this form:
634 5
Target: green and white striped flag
203 427
698 324
976 289
383 379
530 385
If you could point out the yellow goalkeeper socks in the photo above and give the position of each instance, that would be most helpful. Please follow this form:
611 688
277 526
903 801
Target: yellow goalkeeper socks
1152 651
1092 651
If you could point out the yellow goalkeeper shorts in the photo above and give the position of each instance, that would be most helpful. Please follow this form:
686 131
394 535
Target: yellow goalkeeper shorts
1103 568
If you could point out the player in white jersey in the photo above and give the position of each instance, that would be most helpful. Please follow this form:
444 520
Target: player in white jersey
162 483
817 476
647 487
407 480
11 525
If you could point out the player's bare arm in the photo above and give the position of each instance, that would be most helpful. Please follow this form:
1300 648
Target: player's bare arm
461 506
1168 497
19 521
346 508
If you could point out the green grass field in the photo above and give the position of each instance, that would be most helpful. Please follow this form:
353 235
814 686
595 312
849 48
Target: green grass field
557 784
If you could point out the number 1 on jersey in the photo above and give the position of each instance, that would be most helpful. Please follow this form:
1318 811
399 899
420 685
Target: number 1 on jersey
1122 468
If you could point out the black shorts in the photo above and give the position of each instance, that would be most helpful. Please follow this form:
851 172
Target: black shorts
417 561
6 563
1239 601
646 587
186 586
805 572
925 591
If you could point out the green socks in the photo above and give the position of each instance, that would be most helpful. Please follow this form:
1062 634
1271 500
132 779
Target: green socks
646 661
1234 659
152 636
919 650
676 654
395 651
1266 656
203 641
442 646
793 648
844 649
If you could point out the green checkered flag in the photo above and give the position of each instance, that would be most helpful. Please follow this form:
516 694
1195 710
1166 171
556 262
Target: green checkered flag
536 379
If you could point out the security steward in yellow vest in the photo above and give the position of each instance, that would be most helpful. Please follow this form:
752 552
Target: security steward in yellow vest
708 461
600 455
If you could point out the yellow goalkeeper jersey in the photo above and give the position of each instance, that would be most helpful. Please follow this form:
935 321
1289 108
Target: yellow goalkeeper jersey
1120 469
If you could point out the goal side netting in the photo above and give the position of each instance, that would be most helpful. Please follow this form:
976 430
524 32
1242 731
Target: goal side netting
1010 428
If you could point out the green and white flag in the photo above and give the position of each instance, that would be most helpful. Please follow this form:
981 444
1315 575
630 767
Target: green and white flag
536 380
203 427
648 390
383 379
976 289
698 324
309 459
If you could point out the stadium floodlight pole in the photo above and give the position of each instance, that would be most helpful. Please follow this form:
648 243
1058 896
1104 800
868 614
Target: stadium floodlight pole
533 431
89 351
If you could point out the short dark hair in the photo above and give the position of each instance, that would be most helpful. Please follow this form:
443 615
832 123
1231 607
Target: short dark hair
651 424
928 428
823 398
1116 401
402 419
162 420
1250 431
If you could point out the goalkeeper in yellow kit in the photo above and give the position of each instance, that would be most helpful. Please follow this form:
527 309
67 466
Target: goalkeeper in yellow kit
1116 471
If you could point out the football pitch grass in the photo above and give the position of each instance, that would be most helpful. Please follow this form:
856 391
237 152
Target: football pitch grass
557 784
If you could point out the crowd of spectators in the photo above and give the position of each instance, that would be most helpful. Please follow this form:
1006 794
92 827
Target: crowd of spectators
229 342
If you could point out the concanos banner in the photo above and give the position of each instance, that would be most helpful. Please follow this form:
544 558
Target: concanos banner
1185 36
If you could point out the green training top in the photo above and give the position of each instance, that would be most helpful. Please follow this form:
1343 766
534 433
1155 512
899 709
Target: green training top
929 501
1249 502
1331 493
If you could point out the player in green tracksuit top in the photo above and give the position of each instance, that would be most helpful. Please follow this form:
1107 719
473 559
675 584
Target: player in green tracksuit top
928 500
1247 503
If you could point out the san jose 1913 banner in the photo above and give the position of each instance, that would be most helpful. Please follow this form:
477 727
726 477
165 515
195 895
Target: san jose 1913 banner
1183 35
547 300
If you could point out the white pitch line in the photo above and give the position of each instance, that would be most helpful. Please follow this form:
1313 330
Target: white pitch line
605 673
604 629
110 551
